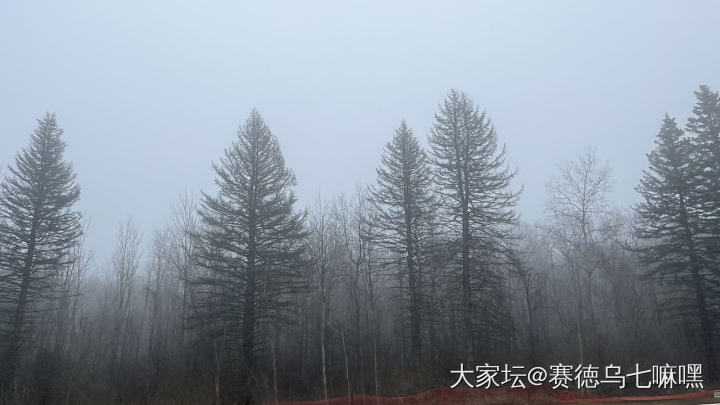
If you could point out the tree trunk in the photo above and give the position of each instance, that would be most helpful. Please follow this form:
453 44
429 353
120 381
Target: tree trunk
13 348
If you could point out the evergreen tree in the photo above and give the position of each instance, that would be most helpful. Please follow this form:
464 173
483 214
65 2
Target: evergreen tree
668 221
405 214
38 229
474 185
705 125
251 243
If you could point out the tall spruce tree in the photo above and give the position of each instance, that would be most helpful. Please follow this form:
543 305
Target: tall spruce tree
705 125
474 185
38 229
406 211
251 244
670 224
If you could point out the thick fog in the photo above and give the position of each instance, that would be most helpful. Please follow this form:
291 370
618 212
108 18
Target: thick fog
150 93
527 191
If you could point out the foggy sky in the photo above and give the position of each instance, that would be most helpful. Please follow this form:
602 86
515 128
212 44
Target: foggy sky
150 93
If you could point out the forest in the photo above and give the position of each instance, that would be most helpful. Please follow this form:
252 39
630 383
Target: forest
247 297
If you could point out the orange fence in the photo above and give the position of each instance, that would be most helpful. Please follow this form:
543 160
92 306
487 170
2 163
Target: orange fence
468 396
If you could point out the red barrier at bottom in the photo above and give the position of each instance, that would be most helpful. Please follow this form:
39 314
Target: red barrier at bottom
469 396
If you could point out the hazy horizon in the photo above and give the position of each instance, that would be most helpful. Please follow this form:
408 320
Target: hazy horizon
150 94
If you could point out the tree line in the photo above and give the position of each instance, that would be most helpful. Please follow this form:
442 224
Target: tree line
246 298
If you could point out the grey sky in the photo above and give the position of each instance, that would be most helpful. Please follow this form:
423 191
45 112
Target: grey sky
150 93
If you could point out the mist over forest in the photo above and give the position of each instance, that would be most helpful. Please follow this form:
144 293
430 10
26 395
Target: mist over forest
244 296
205 204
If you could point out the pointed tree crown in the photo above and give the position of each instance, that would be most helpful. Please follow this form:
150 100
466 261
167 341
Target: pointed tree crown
470 168
37 197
